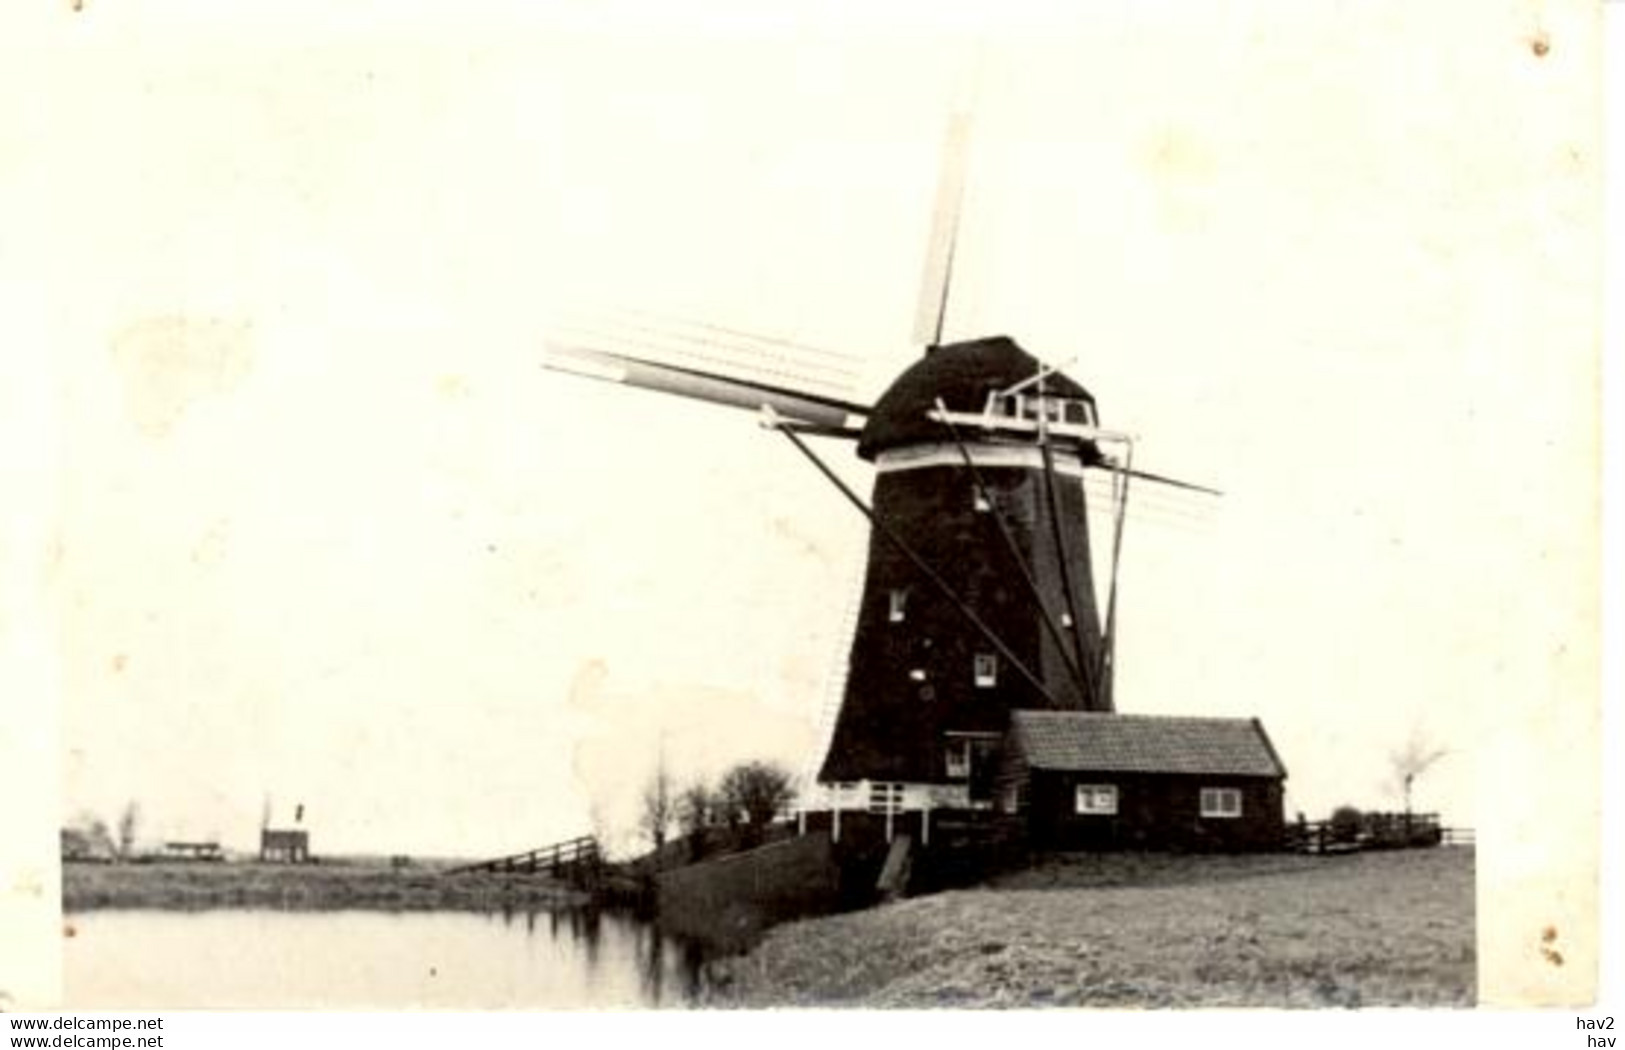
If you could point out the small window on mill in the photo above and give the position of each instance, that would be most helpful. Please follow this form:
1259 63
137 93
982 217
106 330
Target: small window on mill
898 605
986 670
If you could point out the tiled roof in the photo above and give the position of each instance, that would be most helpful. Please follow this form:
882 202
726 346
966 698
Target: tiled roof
1086 741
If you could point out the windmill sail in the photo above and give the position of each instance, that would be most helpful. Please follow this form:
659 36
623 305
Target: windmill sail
827 415
696 344
932 314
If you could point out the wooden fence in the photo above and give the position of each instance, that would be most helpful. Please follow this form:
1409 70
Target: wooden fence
576 860
1374 831
1459 837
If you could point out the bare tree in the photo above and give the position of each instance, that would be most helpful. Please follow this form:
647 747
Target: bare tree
96 833
128 822
696 808
659 807
1411 761
86 837
755 791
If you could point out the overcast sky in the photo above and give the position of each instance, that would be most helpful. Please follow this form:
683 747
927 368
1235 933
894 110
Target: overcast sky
329 534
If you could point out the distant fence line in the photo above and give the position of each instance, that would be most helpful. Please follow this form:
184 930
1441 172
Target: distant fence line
1374 831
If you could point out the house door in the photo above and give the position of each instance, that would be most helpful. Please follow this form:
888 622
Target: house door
971 758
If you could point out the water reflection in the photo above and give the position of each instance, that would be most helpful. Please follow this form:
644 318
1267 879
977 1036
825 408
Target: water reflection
247 958
660 956
666 958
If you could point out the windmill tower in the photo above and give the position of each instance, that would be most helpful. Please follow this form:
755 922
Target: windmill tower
979 594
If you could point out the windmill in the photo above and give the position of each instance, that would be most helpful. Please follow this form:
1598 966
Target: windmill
979 594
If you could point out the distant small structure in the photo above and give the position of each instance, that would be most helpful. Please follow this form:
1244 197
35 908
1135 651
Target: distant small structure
287 846
193 851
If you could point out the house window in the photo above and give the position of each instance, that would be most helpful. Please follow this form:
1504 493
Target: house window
958 759
898 605
885 798
1097 799
1221 802
986 670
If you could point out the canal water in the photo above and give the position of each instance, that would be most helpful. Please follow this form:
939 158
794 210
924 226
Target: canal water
265 959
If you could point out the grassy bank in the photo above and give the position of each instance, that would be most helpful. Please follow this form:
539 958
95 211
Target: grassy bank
330 885
1144 931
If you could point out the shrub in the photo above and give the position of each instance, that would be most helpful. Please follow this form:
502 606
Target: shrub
1345 824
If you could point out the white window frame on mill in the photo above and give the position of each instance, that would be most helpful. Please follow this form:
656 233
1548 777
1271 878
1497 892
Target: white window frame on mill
897 605
985 670
957 758
1057 409
1221 803
1095 800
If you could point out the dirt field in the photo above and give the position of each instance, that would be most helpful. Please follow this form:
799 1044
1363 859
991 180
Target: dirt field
329 885
1371 929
